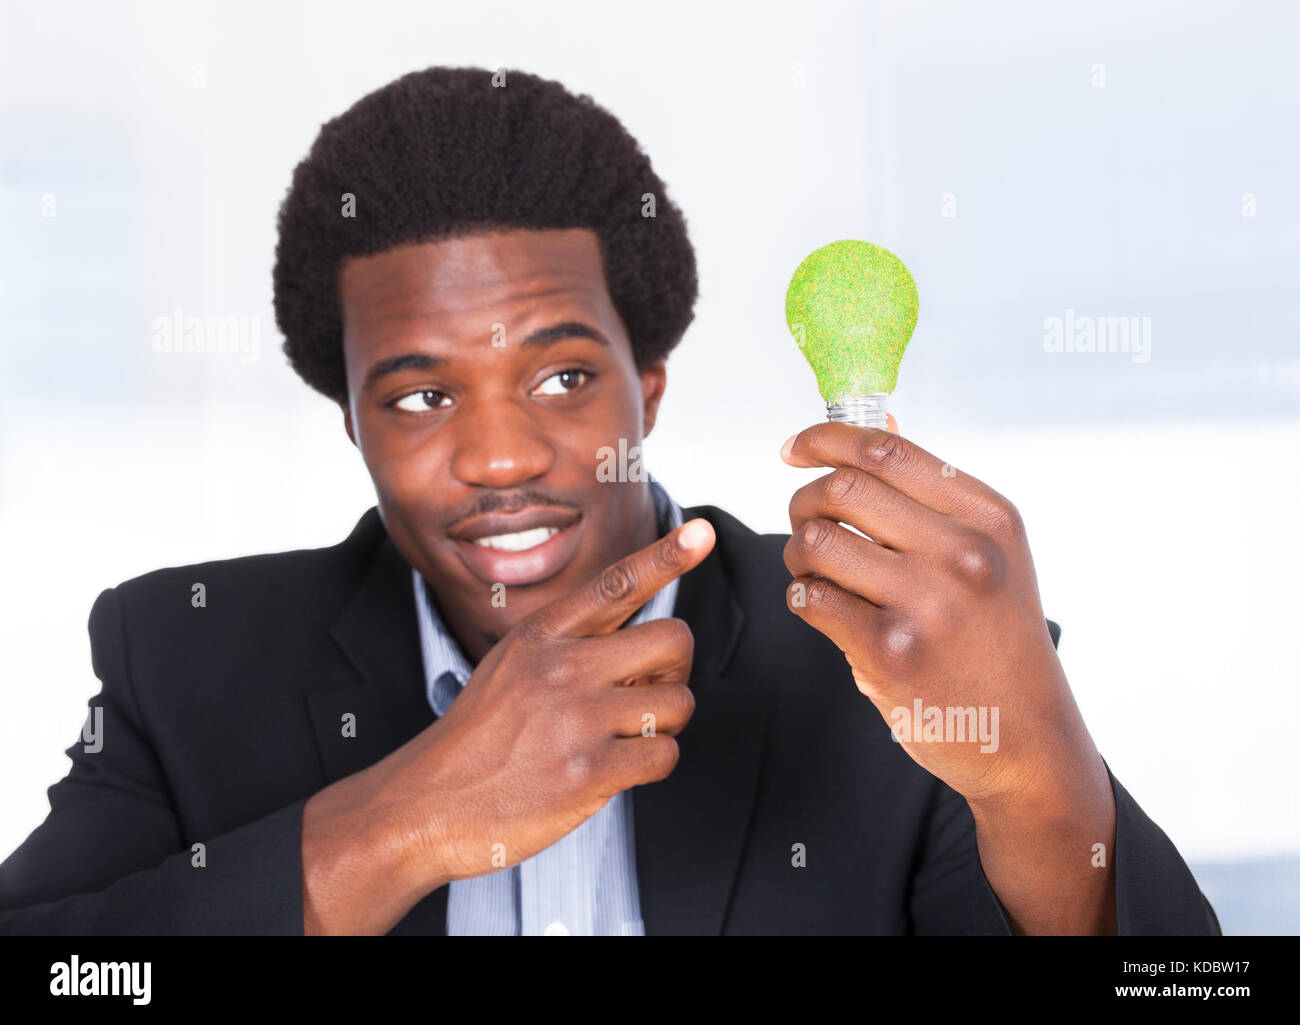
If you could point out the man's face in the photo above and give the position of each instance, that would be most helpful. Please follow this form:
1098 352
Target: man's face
479 393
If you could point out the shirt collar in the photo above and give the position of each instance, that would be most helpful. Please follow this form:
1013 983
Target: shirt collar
447 670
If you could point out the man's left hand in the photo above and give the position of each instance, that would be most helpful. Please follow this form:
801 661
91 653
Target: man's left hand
940 607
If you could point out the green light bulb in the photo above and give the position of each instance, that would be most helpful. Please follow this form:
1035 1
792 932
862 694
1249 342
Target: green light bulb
851 307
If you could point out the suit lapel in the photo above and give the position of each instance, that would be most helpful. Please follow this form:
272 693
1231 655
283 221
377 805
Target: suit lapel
379 636
691 827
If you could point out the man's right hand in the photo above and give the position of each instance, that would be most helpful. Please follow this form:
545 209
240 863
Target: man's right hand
553 723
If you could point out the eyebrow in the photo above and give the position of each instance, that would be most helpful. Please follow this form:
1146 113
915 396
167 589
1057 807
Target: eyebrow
427 361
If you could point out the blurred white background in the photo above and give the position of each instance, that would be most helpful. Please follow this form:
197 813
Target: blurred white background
1119 158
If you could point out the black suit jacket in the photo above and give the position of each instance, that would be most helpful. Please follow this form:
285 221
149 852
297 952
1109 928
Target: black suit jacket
219 722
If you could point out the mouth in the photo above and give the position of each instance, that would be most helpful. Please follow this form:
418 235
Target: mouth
517 549
520 541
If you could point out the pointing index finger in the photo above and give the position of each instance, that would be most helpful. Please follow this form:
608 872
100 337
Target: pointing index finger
605 603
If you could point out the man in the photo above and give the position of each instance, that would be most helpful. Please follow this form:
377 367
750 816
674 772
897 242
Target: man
524 697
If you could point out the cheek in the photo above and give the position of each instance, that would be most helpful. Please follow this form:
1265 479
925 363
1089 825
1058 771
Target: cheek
618 416
404 466
631 407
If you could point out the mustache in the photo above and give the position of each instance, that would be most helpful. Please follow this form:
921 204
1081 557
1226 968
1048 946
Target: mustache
505 502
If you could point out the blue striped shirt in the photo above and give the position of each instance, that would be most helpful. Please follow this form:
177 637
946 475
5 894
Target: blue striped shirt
585 883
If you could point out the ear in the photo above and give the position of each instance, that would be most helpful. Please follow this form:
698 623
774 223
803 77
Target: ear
347 422
653 380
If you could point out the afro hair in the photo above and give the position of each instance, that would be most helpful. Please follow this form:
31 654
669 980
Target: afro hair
450 152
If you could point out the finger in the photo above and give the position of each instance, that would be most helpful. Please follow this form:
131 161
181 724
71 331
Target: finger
634 761
880 511
660 651
891 424
823 548
602 605
647 710
850 621
902 464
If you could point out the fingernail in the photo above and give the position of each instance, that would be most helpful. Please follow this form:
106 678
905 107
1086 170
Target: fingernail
694 533
788 446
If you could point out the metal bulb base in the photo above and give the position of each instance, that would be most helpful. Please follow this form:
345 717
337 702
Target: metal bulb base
860 410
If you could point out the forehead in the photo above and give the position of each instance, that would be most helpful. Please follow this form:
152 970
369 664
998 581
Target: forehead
461 284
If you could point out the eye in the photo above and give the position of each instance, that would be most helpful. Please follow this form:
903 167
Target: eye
567 381
419 401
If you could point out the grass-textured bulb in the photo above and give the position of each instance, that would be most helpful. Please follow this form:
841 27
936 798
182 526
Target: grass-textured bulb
851 307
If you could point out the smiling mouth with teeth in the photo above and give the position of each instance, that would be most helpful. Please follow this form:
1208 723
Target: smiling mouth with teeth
519 542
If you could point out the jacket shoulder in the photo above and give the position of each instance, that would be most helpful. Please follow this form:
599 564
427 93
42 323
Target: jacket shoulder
270 576
747 555
743 549
225 610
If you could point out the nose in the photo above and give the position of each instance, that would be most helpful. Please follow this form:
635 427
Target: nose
498 444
